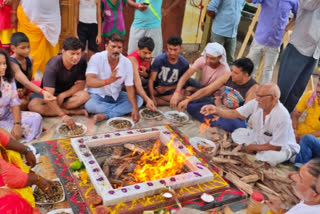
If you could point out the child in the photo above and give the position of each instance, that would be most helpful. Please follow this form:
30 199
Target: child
21 48
6 28
88 25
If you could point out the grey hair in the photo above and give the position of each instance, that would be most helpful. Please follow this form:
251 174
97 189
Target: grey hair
273 89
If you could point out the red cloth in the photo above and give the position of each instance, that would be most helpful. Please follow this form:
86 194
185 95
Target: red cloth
12 176
5 16
4 139
14 204
136 55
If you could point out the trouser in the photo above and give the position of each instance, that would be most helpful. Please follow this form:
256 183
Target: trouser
270 59
294 73
228 43
226 124
137 33
110 107
309 148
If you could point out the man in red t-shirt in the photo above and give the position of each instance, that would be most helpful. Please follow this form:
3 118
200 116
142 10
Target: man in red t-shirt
141 60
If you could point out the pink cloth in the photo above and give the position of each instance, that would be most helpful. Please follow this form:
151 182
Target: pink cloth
12 176
209 74
4 139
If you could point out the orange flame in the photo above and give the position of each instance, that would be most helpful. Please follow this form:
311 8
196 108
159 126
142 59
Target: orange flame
204 126
154 165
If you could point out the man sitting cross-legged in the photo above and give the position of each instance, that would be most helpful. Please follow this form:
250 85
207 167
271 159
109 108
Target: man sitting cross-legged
238 88
141 60
212 65
166 70
64 77
272 137
106 72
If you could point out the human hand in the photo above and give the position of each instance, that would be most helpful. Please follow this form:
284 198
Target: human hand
164 12
183 105
13 20
208 109
45 185
274 205
135 115
98 39
142 71
60 98
47 96
69 121
113 76
250 149
16 131
142 7
154 101
175 99
162 89
7 2
30 158
150 105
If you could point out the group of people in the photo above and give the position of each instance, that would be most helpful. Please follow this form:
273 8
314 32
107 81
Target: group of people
108 84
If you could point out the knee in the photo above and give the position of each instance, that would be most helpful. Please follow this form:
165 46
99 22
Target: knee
34 105
307 139
89 105
83 97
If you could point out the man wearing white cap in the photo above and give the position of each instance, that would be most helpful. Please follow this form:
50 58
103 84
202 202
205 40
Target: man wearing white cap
212 64
238 88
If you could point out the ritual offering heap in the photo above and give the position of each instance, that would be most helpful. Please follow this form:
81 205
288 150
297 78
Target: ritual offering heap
134 164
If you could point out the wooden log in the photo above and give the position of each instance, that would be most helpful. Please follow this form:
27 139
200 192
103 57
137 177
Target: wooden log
236 169
224 160
216 149
134 148
237 148
275 177
244 187
267 189
120 169
231 153
250 178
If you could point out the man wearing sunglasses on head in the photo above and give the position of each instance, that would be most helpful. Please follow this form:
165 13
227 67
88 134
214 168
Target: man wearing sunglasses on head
271 137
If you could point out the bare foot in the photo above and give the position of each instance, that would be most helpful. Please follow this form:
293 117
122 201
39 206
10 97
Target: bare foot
99 117
78 112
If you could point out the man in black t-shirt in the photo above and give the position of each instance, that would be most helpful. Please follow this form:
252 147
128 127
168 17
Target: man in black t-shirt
64 77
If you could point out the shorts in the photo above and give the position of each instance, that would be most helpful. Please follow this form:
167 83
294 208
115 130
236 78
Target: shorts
190 83
88 32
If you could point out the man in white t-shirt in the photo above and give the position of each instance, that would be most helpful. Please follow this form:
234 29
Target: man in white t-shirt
272 137
107 71
307 185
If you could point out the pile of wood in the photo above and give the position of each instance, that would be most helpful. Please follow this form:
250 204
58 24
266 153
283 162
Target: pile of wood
245 174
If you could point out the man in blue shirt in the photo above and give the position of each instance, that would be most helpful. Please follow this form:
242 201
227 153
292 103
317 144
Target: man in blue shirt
147 22
166 71
272 23
226 16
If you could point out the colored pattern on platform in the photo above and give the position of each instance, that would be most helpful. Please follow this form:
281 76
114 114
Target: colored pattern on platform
62 154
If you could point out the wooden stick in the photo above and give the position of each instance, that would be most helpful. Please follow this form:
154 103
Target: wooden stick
250 178
246 188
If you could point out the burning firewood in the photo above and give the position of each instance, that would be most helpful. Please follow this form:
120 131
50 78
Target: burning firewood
120 169
117 152
134 148
106 169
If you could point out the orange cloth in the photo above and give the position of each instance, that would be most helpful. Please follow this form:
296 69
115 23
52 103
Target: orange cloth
40 49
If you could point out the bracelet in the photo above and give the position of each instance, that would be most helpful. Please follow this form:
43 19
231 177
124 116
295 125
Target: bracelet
106 82
188 98
38 179
136 5
27 150
17 123
41 91
177 91
13 11
62 115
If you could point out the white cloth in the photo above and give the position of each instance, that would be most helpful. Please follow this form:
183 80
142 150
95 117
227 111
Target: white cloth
215 49
99 65
46 15
88 11
301 38
304 208
315 32
276 129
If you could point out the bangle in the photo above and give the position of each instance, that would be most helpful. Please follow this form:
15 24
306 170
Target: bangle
17 123
13 11
38 180
62 115
27 150
136 5
41 91
188 98
177 91
106 82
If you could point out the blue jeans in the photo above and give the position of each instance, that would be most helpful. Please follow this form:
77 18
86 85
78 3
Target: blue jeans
294 73
226 124
309 148
110 107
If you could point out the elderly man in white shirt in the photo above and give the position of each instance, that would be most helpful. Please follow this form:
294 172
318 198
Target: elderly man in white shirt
106 72
272 137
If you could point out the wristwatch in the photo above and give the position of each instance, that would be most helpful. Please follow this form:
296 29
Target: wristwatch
27 150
